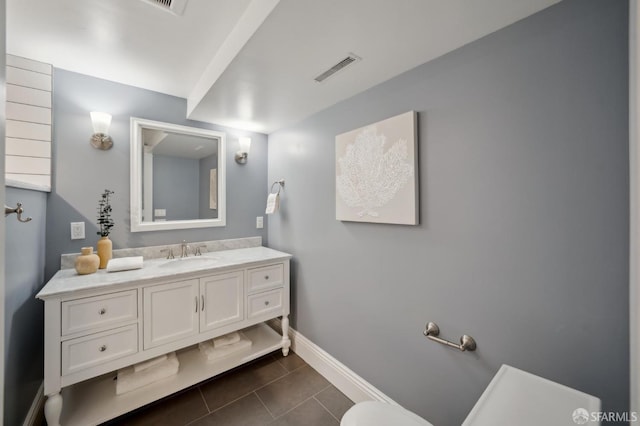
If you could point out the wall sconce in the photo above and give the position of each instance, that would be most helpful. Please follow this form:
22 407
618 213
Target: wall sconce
100 138
245 145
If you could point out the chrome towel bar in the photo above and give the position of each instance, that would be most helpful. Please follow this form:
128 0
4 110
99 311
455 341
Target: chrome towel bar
467 343
18 211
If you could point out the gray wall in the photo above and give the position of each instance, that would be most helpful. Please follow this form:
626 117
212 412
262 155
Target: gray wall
523 241
176 172
81 173
23 314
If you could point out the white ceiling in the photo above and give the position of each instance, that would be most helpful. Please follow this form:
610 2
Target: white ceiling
172 144
250 64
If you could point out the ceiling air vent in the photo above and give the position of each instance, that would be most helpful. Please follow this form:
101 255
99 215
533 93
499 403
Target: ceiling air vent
173 6
337 67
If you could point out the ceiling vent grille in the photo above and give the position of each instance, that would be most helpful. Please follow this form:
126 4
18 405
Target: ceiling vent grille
338 67
172 6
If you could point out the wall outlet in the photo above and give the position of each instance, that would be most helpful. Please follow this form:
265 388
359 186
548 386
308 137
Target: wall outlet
77 230
259 222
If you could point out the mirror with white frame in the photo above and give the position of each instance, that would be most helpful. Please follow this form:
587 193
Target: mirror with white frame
177 176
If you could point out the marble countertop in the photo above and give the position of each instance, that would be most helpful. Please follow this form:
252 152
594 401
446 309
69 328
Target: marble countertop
68 280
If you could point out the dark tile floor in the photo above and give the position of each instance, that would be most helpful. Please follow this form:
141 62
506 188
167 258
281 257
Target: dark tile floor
273 390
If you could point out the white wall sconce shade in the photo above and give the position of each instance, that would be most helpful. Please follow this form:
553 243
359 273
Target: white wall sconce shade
243 154
100 138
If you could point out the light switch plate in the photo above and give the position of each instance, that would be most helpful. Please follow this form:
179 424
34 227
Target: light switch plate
259 222
77 231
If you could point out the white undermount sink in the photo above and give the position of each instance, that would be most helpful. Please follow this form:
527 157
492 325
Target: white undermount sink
184 261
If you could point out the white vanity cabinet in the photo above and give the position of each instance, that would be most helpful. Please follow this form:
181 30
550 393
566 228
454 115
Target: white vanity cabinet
221 300
170 312
177 310
96 324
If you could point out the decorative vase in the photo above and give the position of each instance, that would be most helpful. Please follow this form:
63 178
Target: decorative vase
104 251
87 262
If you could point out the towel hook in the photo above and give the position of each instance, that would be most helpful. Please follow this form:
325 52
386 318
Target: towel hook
278 182
18 211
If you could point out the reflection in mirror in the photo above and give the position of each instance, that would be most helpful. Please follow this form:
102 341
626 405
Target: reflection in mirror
177 176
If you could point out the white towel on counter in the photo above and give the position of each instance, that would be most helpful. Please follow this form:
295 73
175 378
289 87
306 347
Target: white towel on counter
273 203
141 366
227 339
125 263
212 353
129 380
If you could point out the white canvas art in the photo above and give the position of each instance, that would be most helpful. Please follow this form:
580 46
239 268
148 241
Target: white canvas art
377 172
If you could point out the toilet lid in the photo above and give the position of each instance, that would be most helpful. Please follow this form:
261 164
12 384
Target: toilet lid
370 413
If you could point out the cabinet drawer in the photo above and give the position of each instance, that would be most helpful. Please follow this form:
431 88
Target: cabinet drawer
262 304
266 277
93 312
89 351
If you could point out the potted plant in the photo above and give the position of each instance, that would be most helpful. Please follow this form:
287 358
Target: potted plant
105 222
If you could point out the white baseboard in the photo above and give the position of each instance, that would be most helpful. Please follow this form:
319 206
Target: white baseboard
36 408
349 383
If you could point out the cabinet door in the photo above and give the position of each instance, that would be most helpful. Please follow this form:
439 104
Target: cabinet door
170 312
223 297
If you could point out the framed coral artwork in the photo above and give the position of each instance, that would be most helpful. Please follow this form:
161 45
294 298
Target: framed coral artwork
377 172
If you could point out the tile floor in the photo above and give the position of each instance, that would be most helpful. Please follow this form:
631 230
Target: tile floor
273 390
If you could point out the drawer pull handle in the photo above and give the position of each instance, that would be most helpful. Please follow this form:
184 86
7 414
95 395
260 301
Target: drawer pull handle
266 277
266 303
103 348
196 303
102 311
202 298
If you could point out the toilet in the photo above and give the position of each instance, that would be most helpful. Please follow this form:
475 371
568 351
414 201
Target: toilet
370 413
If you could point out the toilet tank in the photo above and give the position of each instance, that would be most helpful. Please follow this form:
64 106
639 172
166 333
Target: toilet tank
515 397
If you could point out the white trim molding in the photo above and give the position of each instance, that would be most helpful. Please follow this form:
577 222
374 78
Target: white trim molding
344 379
36 410
634 202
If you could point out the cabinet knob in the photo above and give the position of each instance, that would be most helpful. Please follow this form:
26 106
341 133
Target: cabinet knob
266 277
266 303
103 348
102 311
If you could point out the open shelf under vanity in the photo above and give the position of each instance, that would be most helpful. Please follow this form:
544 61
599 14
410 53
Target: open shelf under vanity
95 401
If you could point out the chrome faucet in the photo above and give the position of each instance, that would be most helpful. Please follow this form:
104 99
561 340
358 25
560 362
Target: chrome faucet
185 249
169 252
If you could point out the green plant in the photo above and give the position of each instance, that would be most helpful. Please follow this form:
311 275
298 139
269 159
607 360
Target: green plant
104 214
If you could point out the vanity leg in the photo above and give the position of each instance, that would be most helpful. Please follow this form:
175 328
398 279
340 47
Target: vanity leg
53 409
286 343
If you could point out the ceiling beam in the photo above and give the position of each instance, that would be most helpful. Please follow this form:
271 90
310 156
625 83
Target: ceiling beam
247 25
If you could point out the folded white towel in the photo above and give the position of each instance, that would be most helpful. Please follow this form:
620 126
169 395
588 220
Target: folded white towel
212 353
124 263
141 366
129 380
227 339
273 203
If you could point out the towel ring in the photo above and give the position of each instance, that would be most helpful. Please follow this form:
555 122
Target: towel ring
278 182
